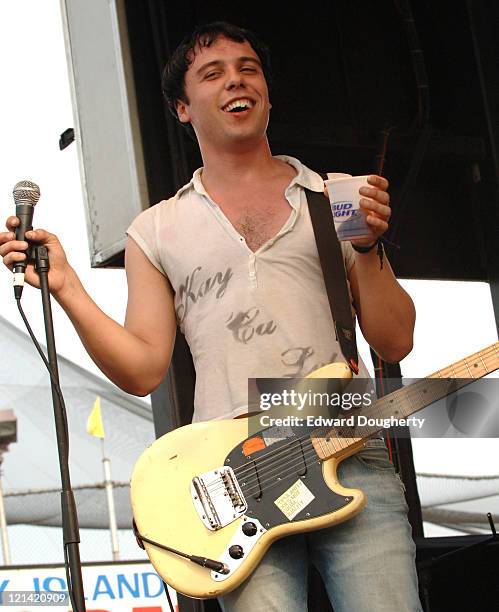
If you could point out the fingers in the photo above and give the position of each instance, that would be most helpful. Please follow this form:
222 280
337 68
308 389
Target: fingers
38 235
12 245
376 204
12 250
378 181
376 194
11 223
41 236
379 225
8 240
11 259
373 206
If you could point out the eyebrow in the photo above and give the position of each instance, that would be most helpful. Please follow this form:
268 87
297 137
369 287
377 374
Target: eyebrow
242 59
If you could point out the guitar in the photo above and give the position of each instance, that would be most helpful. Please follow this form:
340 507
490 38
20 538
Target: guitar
210 489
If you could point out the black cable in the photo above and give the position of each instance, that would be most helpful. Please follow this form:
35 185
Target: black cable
165 586
69 582
212 564
52 377
66 432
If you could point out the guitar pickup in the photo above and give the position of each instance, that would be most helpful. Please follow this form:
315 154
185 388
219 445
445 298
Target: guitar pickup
218 498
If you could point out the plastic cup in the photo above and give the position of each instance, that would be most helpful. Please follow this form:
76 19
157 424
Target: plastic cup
350 220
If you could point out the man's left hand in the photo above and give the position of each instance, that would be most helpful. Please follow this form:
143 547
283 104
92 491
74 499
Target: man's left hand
375 200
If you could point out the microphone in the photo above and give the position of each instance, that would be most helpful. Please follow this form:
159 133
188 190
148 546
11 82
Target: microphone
26 195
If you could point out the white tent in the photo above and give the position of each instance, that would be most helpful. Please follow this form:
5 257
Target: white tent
31 466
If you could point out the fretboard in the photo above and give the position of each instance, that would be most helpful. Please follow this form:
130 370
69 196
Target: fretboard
403 402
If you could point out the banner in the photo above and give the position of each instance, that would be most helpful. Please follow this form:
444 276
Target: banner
109 587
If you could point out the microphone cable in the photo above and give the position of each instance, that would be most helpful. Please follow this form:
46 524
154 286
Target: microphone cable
65 449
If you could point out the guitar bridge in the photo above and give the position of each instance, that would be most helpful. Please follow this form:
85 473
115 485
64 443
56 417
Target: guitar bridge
218 498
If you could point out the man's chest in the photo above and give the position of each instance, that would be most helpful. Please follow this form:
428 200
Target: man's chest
258 220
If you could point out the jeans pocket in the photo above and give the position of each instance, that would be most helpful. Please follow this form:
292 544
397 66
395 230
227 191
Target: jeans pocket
375 458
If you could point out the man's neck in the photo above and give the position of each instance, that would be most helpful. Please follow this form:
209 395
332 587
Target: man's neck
236 169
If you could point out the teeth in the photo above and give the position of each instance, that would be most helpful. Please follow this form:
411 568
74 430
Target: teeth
242 103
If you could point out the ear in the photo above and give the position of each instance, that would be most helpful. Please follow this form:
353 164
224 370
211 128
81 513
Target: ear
183 111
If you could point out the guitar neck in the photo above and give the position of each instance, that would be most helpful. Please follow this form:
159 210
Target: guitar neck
334 442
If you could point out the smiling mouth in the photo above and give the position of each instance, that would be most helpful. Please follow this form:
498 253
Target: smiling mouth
238 106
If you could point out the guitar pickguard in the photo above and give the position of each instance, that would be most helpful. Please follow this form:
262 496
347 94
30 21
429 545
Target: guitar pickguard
283 481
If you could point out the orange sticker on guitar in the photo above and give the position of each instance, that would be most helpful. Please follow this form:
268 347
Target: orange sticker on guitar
253 445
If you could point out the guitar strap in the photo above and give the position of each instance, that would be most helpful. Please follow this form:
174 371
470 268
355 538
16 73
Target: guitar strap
333 270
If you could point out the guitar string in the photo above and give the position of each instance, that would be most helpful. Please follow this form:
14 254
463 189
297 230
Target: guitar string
263 473
268 483
300 459
259 484
296 446
266 473
264 485
304 461
381 402
275 461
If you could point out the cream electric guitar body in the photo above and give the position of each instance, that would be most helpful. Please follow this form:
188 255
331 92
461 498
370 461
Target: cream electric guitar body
217 497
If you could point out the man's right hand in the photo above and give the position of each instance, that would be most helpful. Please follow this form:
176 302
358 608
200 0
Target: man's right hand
13 252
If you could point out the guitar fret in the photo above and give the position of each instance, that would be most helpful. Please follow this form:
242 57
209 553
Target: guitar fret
321 440
468 368
343 443
483 362
421 394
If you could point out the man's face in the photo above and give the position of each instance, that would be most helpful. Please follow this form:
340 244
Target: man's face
228 100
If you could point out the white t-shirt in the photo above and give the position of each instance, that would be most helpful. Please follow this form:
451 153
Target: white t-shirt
244 314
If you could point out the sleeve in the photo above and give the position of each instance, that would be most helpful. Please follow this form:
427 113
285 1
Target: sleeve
144 231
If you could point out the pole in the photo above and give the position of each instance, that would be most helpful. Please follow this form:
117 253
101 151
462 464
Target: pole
70 530
106 462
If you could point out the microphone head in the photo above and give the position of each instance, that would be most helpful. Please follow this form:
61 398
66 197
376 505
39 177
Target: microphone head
26 192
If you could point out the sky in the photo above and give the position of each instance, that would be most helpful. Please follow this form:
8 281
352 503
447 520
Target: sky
453 319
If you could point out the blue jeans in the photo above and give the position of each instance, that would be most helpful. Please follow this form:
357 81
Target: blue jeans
367 563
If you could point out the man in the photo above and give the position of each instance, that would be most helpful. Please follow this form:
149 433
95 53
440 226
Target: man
232 259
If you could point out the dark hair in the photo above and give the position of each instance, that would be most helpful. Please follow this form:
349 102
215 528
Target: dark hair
173 81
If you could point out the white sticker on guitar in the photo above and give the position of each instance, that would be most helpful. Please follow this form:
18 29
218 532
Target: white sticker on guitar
294 500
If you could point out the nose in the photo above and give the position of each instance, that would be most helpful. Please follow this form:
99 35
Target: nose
234 79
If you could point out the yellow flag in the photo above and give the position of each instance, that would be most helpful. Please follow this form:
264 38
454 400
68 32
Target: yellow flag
95 426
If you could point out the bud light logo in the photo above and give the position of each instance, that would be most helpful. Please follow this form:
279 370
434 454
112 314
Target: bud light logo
343 209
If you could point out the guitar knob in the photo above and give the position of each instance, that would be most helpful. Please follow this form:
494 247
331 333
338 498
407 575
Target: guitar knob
249 529
236 551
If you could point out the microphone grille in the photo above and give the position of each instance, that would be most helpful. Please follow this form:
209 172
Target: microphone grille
26 192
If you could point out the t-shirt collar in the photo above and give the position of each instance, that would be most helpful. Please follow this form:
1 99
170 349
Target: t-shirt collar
304 177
